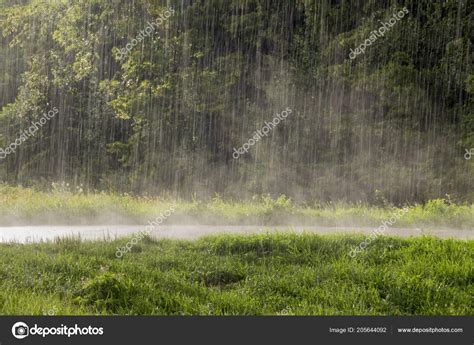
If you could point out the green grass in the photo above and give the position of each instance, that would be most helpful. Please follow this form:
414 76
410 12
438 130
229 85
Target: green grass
65 205
235 275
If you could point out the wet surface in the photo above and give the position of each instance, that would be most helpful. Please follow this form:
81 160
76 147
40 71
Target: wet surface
26 234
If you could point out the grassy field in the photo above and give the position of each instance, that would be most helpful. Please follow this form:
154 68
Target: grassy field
66 205
230 275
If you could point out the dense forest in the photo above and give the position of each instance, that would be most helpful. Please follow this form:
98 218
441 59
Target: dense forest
152 97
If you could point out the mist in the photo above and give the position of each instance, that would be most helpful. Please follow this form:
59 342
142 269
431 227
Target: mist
160 113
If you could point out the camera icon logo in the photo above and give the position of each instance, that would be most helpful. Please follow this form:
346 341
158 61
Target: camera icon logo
20 330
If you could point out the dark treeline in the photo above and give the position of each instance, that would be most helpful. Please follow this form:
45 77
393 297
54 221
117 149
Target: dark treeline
393 123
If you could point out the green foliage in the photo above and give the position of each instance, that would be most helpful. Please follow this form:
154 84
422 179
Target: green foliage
167 116
235 275
107 291
73 205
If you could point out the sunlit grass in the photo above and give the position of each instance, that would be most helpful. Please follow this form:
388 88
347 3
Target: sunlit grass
235 275
66 206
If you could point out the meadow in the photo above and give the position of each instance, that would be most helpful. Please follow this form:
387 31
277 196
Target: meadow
262 274
71 205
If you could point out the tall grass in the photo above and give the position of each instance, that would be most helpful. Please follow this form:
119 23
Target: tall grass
234 275
72 206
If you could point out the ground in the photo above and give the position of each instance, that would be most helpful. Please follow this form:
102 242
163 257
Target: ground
235 274
240 275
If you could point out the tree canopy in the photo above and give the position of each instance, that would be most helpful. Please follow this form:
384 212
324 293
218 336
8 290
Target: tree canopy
394 122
